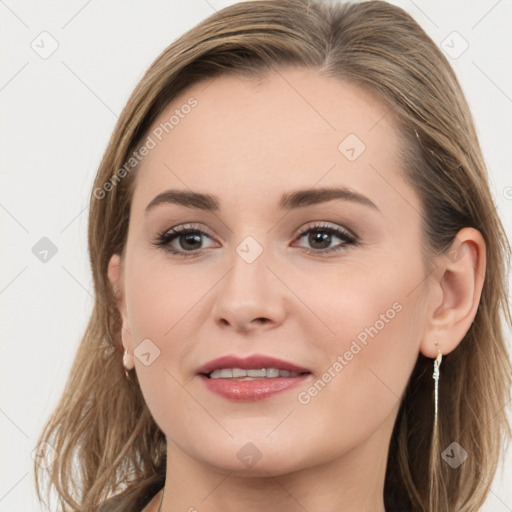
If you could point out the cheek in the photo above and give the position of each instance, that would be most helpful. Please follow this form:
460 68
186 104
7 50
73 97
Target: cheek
160 295
356 301
161 304
368 359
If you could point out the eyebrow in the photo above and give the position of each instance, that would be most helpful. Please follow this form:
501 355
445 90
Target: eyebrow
288 201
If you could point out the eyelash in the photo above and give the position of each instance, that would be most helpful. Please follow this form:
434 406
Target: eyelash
164 239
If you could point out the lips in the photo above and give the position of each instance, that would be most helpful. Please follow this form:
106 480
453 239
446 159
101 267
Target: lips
255 390
254 362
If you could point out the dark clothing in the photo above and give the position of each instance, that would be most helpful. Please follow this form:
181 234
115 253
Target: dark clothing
130 501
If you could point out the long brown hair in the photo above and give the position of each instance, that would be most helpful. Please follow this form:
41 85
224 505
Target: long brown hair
105 437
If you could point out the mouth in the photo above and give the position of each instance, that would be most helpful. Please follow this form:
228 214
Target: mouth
252 374
252 378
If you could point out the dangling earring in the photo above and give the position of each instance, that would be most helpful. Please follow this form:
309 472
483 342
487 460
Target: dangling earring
435 376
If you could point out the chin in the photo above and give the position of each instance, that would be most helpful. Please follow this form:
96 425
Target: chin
254 456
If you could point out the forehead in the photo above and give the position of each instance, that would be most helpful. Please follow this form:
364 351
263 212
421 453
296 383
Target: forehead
244 140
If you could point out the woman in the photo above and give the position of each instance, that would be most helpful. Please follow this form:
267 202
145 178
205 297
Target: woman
299 277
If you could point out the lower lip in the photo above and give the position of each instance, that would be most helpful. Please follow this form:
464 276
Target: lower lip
252 390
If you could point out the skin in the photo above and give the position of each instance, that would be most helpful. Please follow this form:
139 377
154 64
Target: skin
248 142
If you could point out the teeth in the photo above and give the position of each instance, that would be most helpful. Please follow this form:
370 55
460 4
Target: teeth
263 373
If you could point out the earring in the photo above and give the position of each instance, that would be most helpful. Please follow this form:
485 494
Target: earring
128 363
435 376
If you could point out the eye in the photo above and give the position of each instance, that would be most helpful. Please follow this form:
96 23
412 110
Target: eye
321 236
188 238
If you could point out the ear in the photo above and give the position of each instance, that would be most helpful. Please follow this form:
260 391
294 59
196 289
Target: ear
456 290
115 275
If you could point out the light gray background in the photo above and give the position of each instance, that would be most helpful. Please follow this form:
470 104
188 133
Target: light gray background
57 115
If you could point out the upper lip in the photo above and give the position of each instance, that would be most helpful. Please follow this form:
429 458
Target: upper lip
256 361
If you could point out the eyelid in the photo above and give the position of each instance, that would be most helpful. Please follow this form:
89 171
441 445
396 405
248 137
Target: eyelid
318 225
180 229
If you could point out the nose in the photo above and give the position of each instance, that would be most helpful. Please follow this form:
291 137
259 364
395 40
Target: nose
249 296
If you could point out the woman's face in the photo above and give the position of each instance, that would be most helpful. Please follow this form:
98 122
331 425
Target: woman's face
345 301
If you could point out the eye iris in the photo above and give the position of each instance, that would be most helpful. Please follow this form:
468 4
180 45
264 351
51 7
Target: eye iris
320 237
190 238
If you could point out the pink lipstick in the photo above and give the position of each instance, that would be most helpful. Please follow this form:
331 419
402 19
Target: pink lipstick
250 379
